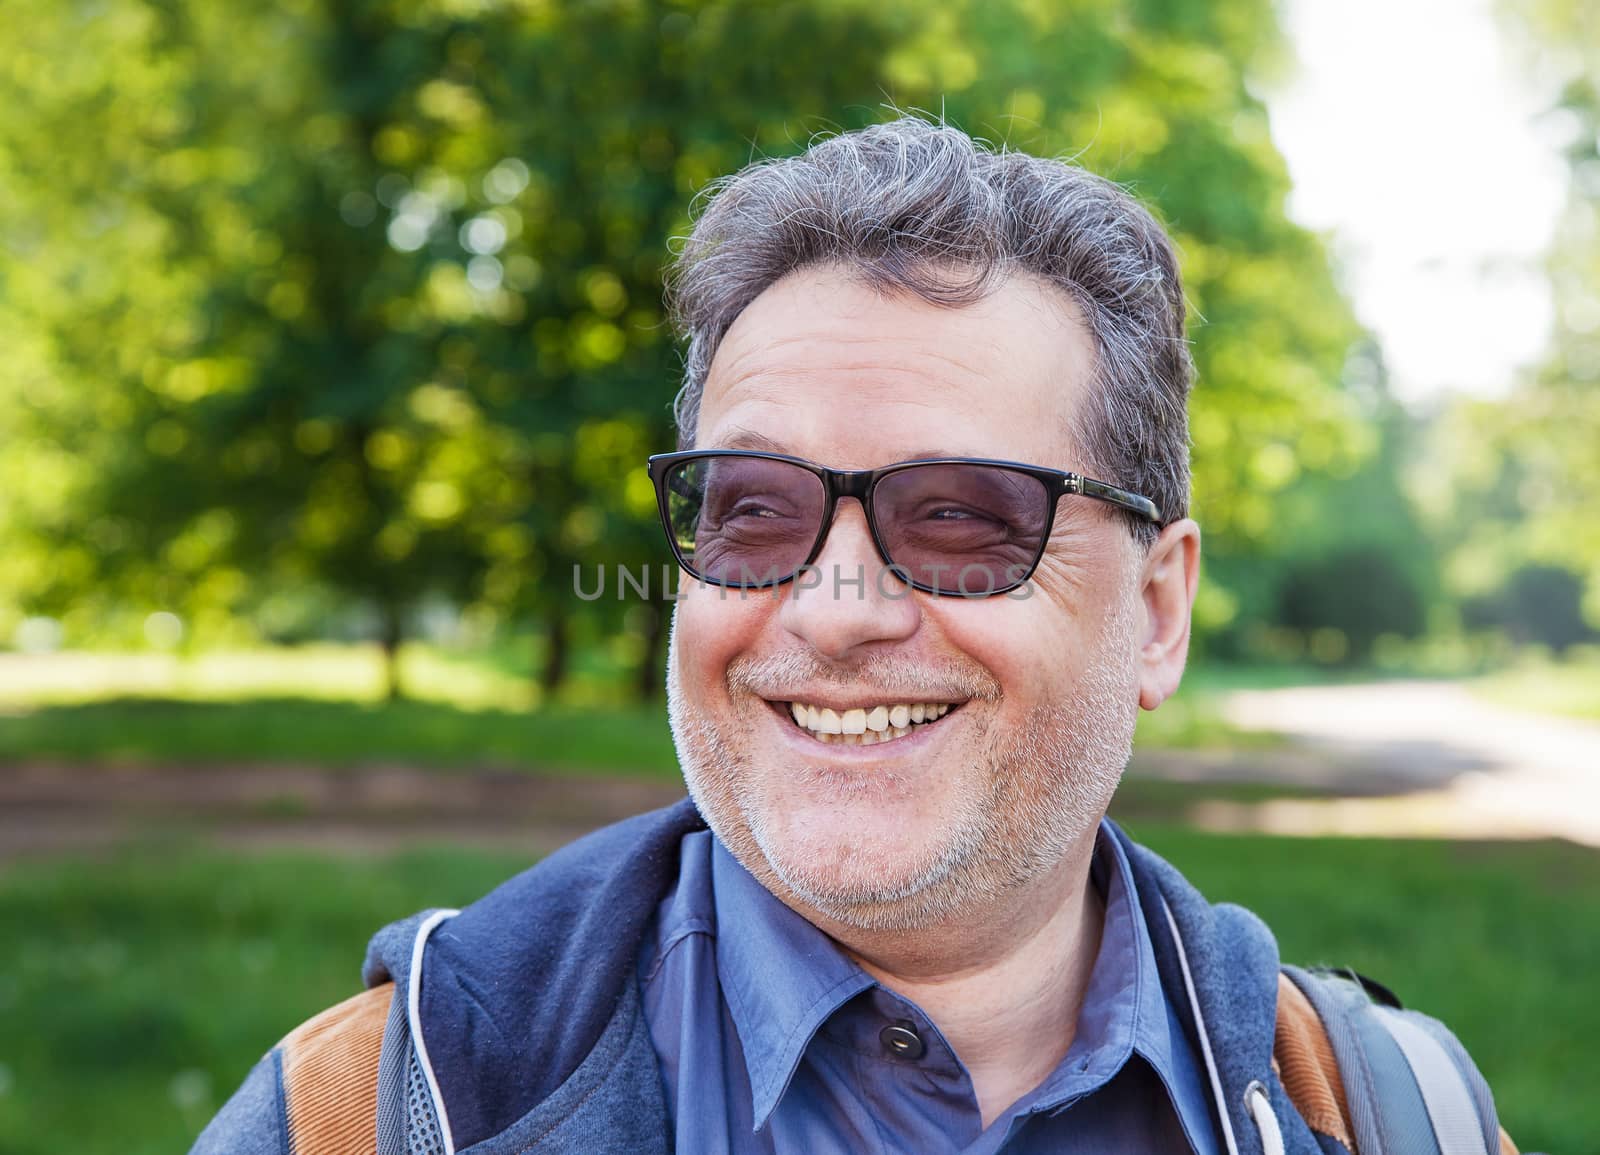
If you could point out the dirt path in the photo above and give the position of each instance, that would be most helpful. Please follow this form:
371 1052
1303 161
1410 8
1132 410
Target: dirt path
1465 768
51 809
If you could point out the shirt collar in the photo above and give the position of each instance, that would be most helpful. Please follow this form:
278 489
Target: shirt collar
1125 1009
783 979
781 976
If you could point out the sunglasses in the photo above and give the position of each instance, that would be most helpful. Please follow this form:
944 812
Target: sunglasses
952 526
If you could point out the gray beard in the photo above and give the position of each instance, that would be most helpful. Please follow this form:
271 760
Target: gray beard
1044 785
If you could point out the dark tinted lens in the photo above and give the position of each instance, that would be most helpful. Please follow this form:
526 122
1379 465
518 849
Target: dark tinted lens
743 521
966 529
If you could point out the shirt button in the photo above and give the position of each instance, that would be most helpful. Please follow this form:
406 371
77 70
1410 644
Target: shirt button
902 1041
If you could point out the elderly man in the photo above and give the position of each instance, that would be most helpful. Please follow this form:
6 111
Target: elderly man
930 505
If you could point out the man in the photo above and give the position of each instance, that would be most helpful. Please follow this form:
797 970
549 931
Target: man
930 504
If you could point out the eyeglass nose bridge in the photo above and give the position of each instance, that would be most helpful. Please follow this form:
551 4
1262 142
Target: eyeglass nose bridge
856 483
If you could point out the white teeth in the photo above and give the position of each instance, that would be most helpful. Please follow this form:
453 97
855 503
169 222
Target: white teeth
862 726
868 738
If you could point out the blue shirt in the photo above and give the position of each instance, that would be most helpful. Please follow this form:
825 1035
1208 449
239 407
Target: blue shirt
771 1040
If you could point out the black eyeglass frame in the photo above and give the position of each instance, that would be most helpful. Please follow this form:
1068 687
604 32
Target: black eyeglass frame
860 484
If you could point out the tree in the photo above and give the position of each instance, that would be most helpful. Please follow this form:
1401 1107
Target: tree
1526 470
365 297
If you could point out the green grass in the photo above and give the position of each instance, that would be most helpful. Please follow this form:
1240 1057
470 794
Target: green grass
1570 689
124 731
135 993
145 985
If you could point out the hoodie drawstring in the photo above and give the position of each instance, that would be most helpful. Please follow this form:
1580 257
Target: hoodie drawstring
1266 1121
1256 1102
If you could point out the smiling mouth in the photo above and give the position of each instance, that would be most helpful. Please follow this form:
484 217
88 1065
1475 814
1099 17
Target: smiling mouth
863 726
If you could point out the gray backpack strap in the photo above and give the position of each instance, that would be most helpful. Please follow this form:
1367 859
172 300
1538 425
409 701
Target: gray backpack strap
408 1119
1407 1090
1450 1102
392 1063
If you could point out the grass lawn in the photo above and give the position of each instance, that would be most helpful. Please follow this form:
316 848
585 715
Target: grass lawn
332 733
145 985
320 706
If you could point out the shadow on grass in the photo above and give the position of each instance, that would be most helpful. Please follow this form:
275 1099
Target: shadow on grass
1167 802
310 732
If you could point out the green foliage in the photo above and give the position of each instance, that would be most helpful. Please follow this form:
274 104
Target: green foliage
365 298
1520 478
1538 605
1362 594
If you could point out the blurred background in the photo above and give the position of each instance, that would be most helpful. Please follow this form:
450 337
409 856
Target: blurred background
331 343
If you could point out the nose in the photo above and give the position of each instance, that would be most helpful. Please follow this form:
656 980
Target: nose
848 597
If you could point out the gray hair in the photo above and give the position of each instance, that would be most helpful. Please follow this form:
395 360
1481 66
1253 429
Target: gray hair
921 207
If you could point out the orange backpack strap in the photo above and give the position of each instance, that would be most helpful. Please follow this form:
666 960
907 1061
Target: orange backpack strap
330 1076
1304 1060
1306 1066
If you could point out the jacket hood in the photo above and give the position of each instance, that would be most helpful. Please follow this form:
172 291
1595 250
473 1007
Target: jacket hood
520 986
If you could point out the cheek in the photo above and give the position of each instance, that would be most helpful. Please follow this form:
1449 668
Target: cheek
1027 645
1038 647
712 628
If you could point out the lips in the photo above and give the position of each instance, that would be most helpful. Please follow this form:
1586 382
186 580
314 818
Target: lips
864 725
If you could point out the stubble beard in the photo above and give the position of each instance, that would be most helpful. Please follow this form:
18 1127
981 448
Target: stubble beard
1034 794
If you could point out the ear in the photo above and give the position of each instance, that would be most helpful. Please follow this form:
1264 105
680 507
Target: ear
1169 579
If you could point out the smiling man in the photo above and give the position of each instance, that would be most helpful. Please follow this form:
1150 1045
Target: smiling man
930 504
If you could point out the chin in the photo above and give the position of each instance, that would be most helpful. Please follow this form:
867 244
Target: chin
859 862
873 855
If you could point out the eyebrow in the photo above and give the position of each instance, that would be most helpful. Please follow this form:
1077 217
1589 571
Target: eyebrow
742 438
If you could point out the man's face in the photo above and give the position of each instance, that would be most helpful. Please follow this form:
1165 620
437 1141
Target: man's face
1041 692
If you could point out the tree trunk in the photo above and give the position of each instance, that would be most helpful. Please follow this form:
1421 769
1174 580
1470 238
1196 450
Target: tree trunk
648 681
556 655
393 634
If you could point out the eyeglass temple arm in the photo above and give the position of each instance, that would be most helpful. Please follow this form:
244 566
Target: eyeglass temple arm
1122 498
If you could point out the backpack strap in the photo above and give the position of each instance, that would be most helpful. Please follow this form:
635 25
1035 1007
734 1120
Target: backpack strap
1379 1080
330 1076
1303 1059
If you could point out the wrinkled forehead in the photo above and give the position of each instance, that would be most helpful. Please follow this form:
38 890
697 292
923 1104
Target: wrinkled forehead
826 366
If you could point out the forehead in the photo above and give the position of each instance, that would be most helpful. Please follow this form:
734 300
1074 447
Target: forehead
828 367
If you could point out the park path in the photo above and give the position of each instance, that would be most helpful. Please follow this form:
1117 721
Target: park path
1447 764
50 809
